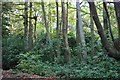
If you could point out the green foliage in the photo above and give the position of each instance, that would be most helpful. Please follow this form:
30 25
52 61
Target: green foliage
71 40
11 47
6 10
100 66
42 59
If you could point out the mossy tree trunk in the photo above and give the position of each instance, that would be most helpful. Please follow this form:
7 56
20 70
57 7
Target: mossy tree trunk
117 11
112 52
108 20
58 30
26 26
67 54
30 38
48 39
81 33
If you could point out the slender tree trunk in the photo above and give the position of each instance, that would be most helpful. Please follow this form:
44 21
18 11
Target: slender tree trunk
1 37
78 38
60 26
117 11
30 28
108 18
105 22
35 18
82 38
48 39
112 52
58 30
77 30
67 17
67 53
26 26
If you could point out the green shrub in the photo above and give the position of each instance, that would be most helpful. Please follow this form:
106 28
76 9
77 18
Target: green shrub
100 66
11 47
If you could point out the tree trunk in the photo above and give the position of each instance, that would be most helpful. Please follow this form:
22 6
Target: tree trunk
1 36
77 30
78 38
108 19
81 33
35 18
48 39
117 11
67 55
26 26
105 23
30 28
67 17
58 30
112 52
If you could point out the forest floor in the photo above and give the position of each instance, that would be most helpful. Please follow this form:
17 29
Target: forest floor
8 74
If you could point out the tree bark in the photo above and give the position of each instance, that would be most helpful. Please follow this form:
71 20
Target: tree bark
67 53
67 16
77 30
35 18
108 19
26 26
117 11
105 23
1 38
58 30
112 52
48 39
81 33
30 28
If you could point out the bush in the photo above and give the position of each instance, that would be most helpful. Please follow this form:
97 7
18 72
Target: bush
42 59
11 47
100 66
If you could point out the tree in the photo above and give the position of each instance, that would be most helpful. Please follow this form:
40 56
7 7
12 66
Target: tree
112 52
35 19
67 15
58 30
81 33
117 11
67 55
48 39
30 39
77 30
0 35
108 20
105 22
26 25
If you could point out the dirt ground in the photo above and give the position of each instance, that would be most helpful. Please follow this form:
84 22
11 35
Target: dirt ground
11 75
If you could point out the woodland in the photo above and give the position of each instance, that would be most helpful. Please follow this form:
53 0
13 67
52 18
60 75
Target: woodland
79 39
